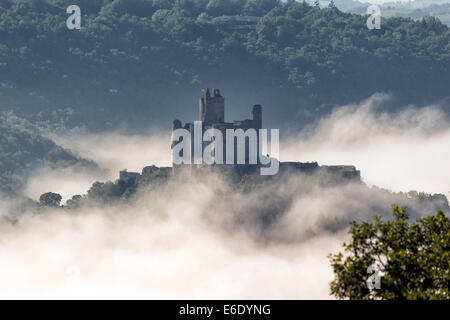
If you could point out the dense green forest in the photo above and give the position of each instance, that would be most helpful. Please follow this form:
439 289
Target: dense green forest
141 62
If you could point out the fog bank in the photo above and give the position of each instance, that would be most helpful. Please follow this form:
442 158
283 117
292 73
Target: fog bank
408 150
200 238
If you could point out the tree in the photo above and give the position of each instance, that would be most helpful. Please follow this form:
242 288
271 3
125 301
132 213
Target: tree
219 7
74 203
104 193
259 7
413 259
50 199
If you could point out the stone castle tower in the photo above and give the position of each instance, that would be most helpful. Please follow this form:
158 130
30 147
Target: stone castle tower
212 116
212 108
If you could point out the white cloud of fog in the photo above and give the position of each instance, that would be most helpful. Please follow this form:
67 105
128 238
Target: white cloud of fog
117 151
168 244
406 151
65 181
112 151
191 241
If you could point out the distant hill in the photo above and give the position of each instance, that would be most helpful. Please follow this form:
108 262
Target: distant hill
138 62
23 150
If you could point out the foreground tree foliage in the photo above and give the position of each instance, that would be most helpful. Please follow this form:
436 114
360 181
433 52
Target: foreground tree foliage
413 259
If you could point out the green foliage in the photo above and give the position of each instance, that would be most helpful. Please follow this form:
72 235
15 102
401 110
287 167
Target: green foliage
108 193
75 202
137 53
22 150
104 193
157 178
259 7
414 258
50 199
217 8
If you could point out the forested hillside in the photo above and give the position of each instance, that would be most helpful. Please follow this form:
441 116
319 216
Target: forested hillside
144 62
22 150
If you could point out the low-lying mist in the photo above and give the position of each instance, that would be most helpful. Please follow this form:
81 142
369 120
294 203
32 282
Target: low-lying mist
112 151
182 241
199 237
66 181
192 238
116 151
408 150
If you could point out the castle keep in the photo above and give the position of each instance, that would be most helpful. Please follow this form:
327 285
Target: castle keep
212 116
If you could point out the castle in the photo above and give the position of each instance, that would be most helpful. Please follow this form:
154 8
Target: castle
212 116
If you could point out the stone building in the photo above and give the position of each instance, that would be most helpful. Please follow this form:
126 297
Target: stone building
212 116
